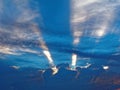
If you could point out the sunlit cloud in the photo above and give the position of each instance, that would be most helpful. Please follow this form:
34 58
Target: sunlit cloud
91 18
7 50
23 28
26 32
10 50
102 12
45 50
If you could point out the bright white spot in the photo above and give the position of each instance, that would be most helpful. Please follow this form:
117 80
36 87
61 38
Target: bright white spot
101 31
105 67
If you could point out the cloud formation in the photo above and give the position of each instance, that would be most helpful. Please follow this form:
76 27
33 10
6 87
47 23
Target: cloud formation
17 27
100 13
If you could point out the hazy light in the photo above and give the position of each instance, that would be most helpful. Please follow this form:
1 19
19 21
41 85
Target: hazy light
100 33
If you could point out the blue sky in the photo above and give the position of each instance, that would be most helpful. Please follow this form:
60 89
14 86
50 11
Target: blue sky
90 29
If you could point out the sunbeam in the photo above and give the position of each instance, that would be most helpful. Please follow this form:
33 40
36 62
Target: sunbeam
45 50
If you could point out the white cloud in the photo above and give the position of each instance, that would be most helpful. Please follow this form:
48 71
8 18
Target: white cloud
102 12
8 50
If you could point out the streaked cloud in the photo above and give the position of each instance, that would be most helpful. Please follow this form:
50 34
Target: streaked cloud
91 18
19 27
25 12
11 50
101 12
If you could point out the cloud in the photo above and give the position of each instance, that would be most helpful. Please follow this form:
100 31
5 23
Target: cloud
18 29
92 17
26 13
20 26
11 50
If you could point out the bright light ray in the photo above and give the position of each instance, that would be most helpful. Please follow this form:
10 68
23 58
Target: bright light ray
46 51
74 60
25 28
50 60
76 18
85 10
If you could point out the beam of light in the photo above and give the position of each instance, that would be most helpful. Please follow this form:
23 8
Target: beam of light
48 55
74 60
23 33
75 20
46 51
82 11
24 28
50 60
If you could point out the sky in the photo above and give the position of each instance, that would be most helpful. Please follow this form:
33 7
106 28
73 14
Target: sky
59 31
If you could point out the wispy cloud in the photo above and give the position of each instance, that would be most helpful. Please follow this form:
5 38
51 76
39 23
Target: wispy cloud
12 50
26 13
91 18
17 27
